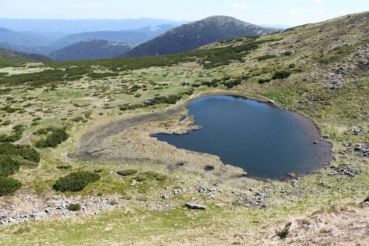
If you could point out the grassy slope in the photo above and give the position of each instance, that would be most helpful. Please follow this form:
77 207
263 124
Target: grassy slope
315 50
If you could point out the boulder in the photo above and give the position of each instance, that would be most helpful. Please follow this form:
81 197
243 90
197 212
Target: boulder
196 206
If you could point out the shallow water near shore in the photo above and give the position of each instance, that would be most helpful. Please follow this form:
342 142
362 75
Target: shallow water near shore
266 141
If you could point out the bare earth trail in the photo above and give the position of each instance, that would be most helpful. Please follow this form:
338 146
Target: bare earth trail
91 144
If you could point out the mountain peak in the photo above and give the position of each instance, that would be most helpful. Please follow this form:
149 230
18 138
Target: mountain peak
196 34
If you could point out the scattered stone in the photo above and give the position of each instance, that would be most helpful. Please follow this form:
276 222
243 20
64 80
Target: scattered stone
356 130
180 164
258 200
242 175
362 149
195 206
365 203
345 170
177 191
112 81
55 206
292 175
148 101
335 79
282 234
207 191
171 193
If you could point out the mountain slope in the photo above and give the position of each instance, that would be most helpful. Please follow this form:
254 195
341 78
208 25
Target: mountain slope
90 50
131 36
191 36
6 54
21 41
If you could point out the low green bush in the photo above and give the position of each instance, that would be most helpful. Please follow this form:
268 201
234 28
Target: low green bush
64 167
126 107
74 207
263 81
78 119
94 75
141 177
8 166
127 172
9 109
281 74
232 83
265 57
154 175
6 123
54 138
8 186
76 181
15 136
47 77
9 138
171 99
336 54
24 151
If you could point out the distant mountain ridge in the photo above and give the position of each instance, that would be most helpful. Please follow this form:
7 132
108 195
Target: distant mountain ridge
47 43
83 25
91 50
21 41
130 36
196 34
6 54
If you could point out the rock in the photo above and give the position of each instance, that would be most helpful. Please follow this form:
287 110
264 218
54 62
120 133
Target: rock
148 101
362 149
44 208
335 79
345 170
113 201
196 206
365 203
209 168
292 175
177 191
356 130
283 233
315 142
258 200
165 196
207 191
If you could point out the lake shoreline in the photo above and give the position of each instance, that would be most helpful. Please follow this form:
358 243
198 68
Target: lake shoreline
90 146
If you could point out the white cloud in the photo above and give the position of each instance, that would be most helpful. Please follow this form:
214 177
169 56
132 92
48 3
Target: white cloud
318 2
239 7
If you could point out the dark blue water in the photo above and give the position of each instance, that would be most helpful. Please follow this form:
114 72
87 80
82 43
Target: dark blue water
267 142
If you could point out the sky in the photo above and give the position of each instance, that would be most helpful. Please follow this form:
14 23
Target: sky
265 12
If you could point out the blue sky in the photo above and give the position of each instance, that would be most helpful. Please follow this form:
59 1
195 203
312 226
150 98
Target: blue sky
285 12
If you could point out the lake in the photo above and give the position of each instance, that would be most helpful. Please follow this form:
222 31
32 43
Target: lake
264 140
